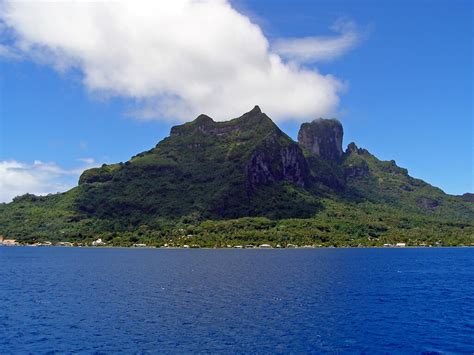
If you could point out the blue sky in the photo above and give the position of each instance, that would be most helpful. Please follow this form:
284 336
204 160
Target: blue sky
407 94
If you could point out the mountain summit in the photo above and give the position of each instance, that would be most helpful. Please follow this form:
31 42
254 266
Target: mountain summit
323 138
244 167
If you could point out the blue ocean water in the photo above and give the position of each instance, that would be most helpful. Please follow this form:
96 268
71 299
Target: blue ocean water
236 301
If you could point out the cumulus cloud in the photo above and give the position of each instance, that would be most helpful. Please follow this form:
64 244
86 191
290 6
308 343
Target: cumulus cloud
39 178
314 49
174 59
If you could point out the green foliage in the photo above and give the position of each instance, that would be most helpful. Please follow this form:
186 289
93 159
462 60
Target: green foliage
389 185
193 189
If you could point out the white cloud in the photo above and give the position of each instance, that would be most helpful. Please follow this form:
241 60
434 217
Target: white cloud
7 52
175 58
313 49
39 178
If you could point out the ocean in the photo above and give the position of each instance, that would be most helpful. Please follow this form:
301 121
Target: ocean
106 300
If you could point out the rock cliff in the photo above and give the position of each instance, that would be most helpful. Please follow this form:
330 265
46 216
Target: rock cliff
323 138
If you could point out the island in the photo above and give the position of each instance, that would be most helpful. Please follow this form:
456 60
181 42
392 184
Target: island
244 182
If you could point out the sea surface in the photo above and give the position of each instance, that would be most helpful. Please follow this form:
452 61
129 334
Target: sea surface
236 301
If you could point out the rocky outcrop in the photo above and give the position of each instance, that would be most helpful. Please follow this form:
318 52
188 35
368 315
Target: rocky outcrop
427 203
323 138
356 170
276 163
468 197
353 149
354 166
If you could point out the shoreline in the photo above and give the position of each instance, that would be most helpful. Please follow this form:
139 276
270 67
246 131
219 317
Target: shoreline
234 248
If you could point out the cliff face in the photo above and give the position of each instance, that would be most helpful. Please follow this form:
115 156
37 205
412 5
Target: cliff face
323 138
274 162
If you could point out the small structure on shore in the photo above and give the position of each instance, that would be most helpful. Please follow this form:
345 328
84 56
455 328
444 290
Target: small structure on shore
265 246
139 245
98 243
401 245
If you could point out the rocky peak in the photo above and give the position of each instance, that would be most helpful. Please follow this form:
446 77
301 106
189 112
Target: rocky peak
352 148
254 117
323 138
253 120
255 110
203 120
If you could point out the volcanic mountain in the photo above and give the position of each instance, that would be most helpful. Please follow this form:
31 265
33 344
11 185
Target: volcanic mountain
245 167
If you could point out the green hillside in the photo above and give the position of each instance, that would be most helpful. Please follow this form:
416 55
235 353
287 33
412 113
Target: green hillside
245 181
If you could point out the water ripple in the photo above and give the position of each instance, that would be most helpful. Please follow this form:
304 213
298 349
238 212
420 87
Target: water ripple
236 301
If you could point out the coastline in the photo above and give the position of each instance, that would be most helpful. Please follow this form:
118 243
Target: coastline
234 248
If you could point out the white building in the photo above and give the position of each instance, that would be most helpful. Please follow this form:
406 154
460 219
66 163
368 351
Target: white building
98 242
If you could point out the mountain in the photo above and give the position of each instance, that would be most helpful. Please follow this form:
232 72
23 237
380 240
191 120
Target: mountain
245 180
205 168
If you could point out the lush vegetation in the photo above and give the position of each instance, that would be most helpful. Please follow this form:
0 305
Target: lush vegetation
337 224
194 189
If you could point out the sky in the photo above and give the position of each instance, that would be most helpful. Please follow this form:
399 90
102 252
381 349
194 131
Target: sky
86 83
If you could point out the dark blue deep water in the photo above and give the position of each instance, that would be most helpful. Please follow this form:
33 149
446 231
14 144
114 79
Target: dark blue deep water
236 301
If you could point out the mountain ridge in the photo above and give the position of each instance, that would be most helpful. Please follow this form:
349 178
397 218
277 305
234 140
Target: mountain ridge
246 167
